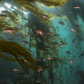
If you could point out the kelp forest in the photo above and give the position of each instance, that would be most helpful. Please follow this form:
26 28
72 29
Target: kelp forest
41 42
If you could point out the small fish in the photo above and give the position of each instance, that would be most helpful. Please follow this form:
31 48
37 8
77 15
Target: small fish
25 18
73 30
56 68
28 36
39 32
5 12
39 70
52 45
10 30
71 61
48 58
38 81
74 40
71 71
1 16
62 42
27 76
56 35
81 55
49 33
16 69
76 7
45 16
10 39
12 56
20 73
71 12
68 52
71 67
25 42
20 35
42 51
77 25
67 80
30 32
9 71
62 23
55 43
58 15
4 60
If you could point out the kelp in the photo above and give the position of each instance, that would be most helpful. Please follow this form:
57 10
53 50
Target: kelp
14 18
29 6
18 52
4 24
52 3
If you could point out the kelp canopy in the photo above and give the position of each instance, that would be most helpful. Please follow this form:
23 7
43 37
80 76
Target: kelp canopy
11 48
27 5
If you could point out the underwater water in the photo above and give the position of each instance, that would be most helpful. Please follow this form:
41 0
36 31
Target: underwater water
41 42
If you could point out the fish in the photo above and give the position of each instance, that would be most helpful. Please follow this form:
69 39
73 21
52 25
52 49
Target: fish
16 69
39 70
52 45
71 12
67 80
81 55
25 42
68 52
56 35
56 68
62 23
5 12
76 7
25 18
74 40
48 58
49 33
45 16
55 43
28 36
38 31
1 16
27 75
38 81
20 35
58 15
9 71
20 73
10 39
71 61
71 67
62 42
10 30
73 30
77 25
42 51
4 60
